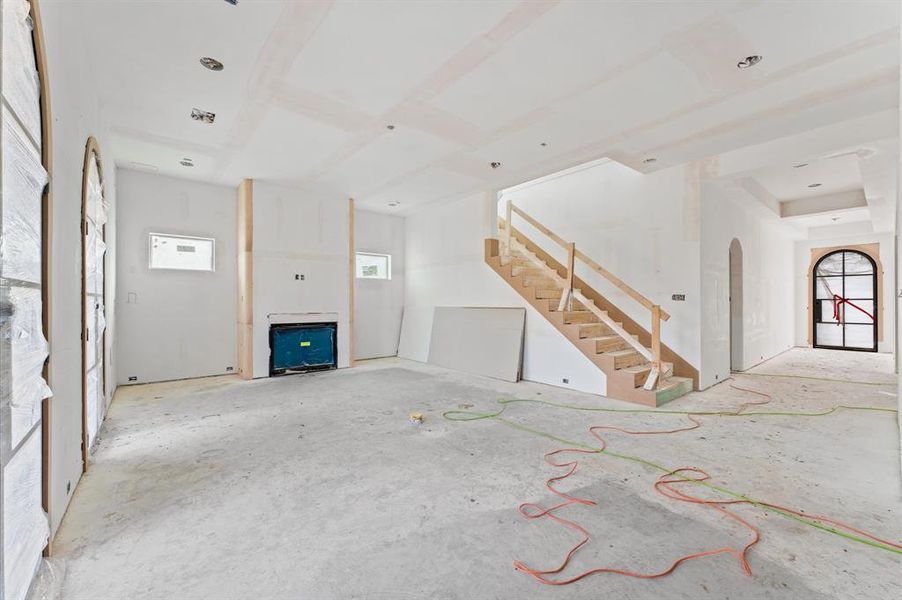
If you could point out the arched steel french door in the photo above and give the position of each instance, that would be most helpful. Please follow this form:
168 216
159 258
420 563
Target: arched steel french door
845 297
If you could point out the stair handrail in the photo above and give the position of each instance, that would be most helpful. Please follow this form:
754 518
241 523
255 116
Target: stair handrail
657 313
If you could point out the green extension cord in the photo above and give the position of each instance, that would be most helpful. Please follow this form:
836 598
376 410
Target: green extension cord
465 415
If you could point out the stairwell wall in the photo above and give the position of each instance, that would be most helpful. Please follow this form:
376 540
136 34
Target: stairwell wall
644 228
444 251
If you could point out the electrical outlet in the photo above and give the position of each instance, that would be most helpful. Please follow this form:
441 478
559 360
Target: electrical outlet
565 380
678 297
299 277
133 378
68 486
230 368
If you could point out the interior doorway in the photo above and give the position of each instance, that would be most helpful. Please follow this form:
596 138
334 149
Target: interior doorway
845 301
736 306
94 216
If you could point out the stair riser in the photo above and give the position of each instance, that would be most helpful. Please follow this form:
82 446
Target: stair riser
550 294
542 282
595 330
609 346
521 271
579 317
622 362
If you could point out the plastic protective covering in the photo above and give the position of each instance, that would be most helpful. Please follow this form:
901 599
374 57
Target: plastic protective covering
20 263
21 84
24 179
96 214
25 525
28 349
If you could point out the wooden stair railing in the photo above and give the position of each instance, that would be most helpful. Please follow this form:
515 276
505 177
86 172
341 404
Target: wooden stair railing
653 355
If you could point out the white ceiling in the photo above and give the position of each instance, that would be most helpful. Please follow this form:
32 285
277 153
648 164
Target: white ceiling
309 87
790 182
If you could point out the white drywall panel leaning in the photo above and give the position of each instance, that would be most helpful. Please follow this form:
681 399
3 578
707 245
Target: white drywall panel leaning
482 341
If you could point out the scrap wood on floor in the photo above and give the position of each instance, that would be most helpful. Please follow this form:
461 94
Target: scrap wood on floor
672 483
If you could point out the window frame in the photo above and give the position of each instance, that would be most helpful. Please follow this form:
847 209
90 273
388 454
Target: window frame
388 261
151 266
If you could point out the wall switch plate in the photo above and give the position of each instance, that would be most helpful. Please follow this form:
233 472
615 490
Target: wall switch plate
678 297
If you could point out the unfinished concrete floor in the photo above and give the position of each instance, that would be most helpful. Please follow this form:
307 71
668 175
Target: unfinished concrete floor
318 486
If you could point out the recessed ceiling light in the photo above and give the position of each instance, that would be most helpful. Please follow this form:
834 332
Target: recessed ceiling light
494 164
749 61
394 204
800 165
814 185
202 115
650 160
186 162
211 63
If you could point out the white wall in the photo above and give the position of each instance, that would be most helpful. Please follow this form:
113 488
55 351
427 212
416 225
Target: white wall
298 233
76 114
642 228
378 304
446 267
174 324
728 212
802 262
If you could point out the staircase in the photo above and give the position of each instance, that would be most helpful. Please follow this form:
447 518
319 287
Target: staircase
604 334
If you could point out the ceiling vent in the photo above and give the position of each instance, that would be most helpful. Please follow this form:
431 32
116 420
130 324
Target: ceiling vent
202 115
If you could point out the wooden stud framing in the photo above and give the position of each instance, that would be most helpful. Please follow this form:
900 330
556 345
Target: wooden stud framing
246 279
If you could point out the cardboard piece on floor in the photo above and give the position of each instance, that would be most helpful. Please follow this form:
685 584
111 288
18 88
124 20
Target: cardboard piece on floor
482 341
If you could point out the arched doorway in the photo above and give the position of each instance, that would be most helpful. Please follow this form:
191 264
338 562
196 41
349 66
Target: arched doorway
845 301
735 305
94 216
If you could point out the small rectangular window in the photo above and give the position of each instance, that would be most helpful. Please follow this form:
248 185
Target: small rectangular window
373 266
182 252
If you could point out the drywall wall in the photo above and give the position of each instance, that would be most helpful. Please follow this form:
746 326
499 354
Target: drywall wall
300 264
727 213
642 228
75 108
174 324
446 267
802 282
379 303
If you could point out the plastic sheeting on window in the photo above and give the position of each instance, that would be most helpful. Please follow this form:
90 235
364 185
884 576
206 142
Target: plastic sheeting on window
28 350
24 179
21 84
26 529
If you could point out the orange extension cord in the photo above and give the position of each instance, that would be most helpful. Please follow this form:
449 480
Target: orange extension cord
666 485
